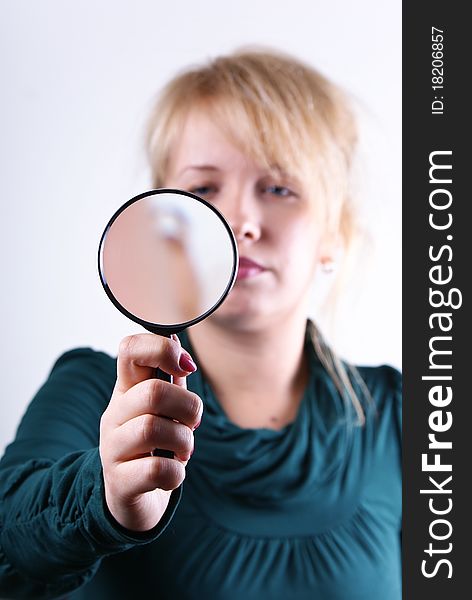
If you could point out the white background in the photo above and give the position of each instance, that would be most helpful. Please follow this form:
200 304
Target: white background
77 81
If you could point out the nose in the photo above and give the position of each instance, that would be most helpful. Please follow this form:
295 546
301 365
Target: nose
243 217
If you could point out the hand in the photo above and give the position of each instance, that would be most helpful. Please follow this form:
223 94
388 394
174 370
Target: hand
146 413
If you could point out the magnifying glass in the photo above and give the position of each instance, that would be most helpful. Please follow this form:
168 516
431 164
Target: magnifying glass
167 259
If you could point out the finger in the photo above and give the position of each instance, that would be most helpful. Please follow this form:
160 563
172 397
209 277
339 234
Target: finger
146 474
180 381
158 398
139 436
141 354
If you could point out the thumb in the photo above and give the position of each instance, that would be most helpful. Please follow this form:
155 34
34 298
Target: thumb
180 381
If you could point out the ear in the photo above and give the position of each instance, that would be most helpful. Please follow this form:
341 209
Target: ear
331 245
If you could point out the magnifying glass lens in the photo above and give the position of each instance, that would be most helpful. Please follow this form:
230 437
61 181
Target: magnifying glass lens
167 259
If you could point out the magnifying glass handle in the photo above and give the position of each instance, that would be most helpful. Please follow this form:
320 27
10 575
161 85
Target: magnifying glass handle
164 377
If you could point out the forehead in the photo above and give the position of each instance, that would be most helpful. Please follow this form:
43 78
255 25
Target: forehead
202 141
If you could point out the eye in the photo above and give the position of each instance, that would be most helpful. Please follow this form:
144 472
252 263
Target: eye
278 190
203 190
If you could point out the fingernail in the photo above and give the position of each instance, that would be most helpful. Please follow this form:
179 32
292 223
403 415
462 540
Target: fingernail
197 425
186 363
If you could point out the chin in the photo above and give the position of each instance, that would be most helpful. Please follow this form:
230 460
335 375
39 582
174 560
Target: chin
234 316
255 311
248 315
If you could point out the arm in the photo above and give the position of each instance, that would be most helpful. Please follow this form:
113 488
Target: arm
54 523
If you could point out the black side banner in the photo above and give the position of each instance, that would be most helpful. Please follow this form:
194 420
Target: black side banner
437 214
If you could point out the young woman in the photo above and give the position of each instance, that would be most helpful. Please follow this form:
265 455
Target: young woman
291 457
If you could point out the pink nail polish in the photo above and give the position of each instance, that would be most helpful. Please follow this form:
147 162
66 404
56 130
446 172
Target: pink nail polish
186 363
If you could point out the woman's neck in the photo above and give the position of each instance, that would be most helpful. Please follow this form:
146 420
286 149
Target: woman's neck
258 376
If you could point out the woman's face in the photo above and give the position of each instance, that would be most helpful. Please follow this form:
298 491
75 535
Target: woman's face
279 240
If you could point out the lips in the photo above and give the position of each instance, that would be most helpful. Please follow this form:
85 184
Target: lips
249 268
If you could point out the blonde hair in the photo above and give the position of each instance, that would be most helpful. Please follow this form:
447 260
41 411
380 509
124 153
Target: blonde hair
287 117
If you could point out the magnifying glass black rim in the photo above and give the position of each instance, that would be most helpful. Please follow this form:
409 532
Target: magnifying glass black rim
157 327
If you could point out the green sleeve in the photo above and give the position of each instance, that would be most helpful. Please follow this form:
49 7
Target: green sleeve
54 523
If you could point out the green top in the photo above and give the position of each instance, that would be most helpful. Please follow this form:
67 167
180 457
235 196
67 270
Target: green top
312 511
